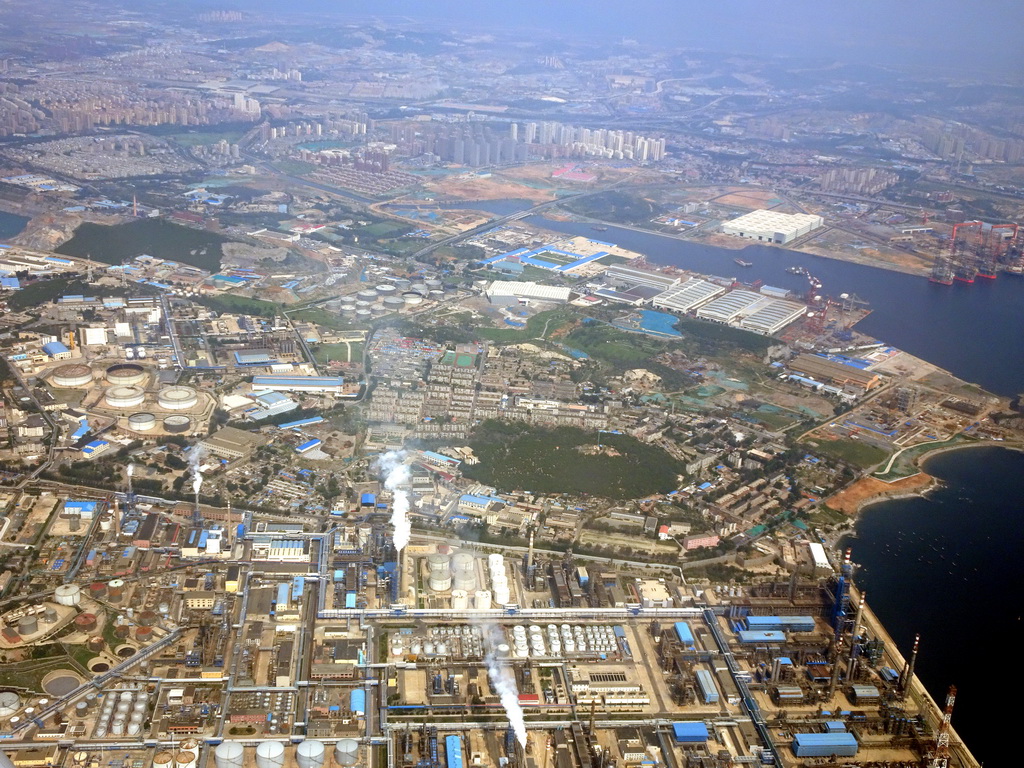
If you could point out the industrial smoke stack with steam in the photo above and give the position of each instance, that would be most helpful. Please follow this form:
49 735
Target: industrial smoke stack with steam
503 682
397 478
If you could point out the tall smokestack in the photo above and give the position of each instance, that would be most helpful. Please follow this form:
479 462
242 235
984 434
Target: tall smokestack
529 555
837 658
853 636
908 671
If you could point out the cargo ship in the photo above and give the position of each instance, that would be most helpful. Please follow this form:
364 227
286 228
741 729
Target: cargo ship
600 229
743 263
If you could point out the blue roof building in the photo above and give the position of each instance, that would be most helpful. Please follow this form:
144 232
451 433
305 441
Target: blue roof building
56 350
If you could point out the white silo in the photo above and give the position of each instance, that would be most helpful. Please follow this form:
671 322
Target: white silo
67 594
229 754
482 598
270 754
346 752
460 599
183 759
310 754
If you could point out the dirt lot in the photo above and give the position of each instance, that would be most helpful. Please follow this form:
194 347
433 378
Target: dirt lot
748 197
850 500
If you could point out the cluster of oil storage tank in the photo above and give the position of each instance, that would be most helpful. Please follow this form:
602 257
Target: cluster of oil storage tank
559 640
499 579
123 714
464 641
387 298
310 753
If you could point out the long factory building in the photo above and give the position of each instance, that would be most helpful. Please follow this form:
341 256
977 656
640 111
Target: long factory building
762 312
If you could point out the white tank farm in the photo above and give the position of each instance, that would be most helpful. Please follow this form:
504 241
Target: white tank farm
72 375
177 398
141 422
270 754
229 754
67 594
310 754
122 397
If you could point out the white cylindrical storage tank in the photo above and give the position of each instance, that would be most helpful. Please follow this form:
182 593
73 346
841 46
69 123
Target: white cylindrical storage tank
437 563
310 754
463 562
420 288
482 598
386 290
163 760
502 596
183 759
67 594
229 754
348 310
412 299
378 309
363 315
126 374
494 562
363 304
177 398
346 752
72 375
10 703
141 422
465 582
440 582
434 284
394 303
460 599
270 754
123 397
367 295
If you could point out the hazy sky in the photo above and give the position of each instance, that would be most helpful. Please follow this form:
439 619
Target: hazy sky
973 34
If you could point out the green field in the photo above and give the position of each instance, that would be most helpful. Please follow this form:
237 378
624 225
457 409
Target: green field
156 237
552 318
853 452
518 456
241 305
200 138
323 353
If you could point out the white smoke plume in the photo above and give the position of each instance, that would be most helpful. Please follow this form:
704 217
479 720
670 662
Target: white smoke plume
397 478
130 469
195 458
503 681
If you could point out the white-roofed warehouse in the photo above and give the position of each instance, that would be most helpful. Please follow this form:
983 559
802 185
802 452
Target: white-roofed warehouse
771 318
772 226
692 293
727 308
502 291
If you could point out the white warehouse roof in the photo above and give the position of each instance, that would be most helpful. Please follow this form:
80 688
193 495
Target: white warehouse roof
773 316
690 294
726 308
772 226
528 290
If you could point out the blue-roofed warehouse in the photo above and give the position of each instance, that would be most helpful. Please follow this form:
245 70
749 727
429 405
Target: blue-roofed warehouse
308 445
781 623
757 636
357 701
690 733
56 350
824 745
684 633
453 751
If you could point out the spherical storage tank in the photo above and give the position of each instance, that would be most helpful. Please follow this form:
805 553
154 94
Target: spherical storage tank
67 594
346 752
177 398
126 374
310 754
72 375
270 754
141 422
126 396
229 754
177 425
